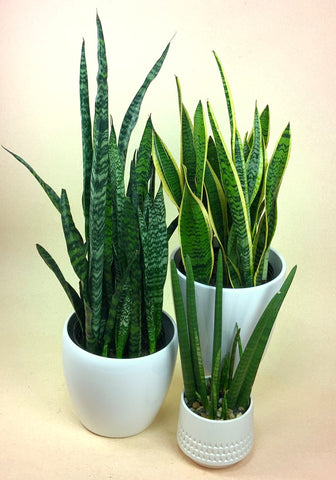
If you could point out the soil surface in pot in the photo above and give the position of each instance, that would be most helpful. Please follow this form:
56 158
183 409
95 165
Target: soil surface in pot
198 408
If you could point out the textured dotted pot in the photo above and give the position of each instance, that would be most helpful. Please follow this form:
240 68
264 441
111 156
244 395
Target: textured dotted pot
242 306
118 397
214 443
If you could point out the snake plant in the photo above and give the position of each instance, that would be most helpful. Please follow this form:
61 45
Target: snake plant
122 260
226 196
229 387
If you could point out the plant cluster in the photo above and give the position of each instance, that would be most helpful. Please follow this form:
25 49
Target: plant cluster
122 261
230 386
226 197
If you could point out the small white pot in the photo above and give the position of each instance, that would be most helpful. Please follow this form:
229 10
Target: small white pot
214 443
118 397
242 306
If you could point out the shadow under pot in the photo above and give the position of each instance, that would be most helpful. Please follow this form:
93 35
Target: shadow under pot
241 306
118 397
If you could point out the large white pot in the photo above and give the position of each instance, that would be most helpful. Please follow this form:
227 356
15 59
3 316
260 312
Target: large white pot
118 397
214 443
242 306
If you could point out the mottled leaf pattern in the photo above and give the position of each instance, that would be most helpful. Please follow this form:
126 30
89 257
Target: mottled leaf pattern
200 146
167 170
48 190
71 293
236 200
132 114
195 235
86 138
74 241
240 201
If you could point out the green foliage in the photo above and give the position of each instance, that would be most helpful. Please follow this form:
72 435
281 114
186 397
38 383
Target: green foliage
121 262
225 196
227 388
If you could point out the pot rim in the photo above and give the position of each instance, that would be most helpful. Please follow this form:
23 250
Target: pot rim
203 285
144 358
213 421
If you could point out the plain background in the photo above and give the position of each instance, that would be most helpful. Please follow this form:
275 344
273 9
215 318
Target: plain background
280 53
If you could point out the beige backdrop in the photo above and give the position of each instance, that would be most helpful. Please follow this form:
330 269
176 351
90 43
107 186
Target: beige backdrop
281 53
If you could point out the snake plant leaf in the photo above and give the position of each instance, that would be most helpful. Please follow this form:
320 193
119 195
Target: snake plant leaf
179 95
200 146
135 333
182 329
274 176
132 309
123 315
195 346
232 260
132 188
86 137
117 297
265 124
167 170
188 154
228 96
108 245
235 344
212 157
239 163
118 199
99 175
246 146
242 382
75 245
71 293
255 163
155 246
157 249
273 179
217 338
217 205
264 119
132 114
143 162
236 201
214 390
260 251
196 235
48 190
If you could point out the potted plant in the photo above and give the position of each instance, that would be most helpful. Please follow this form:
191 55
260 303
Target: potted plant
227 201
215 427
119 347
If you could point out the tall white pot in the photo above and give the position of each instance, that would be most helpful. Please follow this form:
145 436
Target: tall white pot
118 397
242 306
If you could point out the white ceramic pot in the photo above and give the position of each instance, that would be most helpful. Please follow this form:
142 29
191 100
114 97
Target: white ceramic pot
118 397
242 306
214 443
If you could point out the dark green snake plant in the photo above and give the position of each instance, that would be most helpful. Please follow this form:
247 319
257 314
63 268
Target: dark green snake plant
122 260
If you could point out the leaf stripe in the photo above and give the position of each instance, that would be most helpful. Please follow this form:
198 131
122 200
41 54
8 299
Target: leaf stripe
132 114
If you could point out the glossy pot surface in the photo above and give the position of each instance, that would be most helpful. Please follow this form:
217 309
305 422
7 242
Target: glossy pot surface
118 397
